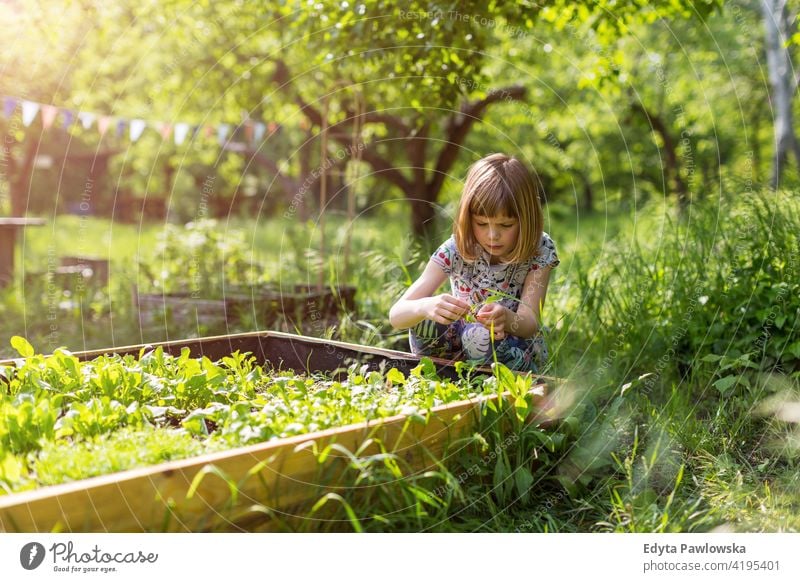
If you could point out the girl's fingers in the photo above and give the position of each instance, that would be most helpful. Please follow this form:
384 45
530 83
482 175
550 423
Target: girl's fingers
458 306
448 315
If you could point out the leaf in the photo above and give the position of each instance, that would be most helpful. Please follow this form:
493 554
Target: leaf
724 384
426 369
711 358
395 376
195 423
213 470
11 469
351 515
500 475
639 380
22 346
505 378
521 406
523 481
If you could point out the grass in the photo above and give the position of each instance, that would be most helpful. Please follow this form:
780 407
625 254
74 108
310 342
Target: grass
679 338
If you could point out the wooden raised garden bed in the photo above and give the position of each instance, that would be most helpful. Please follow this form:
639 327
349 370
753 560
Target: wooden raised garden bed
288 308
281 475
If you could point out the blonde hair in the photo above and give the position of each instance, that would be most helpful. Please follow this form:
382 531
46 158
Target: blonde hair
500 185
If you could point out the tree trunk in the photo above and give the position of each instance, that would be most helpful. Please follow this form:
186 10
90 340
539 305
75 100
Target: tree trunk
20 178
588 193
670 154
778 34
427 179
423 216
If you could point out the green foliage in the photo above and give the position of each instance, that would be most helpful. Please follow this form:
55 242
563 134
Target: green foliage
716 298
54 399
63 461
203 258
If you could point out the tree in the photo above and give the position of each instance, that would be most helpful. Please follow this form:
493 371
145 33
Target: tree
418 66
34 66
779 28
420 69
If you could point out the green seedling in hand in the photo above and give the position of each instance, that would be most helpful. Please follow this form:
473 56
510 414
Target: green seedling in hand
479 303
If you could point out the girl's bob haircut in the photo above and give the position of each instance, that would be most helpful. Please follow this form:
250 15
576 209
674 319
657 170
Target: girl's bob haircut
500 186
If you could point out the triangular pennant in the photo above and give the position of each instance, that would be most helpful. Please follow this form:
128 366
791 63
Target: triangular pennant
49 113
29 111
165 129
69 118
181 130
248 132
222 132
272 127
195 131
137 127
87 119
9 105
258 132
121 123
103 122
208 131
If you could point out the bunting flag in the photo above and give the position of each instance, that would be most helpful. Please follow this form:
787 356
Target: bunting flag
87 119
165 129
102 124
137 127
258 132
69 118
49 114
29 111
222 132
252 132
181 130
9 105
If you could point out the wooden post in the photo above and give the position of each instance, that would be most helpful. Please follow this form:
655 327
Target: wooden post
323 190
8 240
354 177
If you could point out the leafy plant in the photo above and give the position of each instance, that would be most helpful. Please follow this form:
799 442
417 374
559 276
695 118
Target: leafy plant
201 258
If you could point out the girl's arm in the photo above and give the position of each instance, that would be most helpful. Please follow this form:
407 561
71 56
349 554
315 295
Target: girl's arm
418 302
525 322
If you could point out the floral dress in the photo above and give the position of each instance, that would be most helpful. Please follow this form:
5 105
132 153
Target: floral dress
473 282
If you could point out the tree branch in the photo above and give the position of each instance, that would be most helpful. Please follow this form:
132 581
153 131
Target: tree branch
670 149
459 126
290 185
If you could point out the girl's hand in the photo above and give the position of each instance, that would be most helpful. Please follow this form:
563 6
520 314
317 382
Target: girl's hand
446 309
493 313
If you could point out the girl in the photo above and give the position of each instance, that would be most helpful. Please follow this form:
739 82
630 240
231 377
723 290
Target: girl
497 248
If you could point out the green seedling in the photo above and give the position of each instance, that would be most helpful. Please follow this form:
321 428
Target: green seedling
495 296
56 407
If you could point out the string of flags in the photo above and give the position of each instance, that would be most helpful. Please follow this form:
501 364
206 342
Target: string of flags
252 131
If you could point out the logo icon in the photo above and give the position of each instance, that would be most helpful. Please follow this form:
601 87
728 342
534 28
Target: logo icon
31 555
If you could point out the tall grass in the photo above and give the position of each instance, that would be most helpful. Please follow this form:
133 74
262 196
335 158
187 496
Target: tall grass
681 337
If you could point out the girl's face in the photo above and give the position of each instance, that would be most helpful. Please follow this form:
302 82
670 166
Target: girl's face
497 235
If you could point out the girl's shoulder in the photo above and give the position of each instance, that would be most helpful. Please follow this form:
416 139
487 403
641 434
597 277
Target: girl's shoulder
546 242
446 255
546 255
